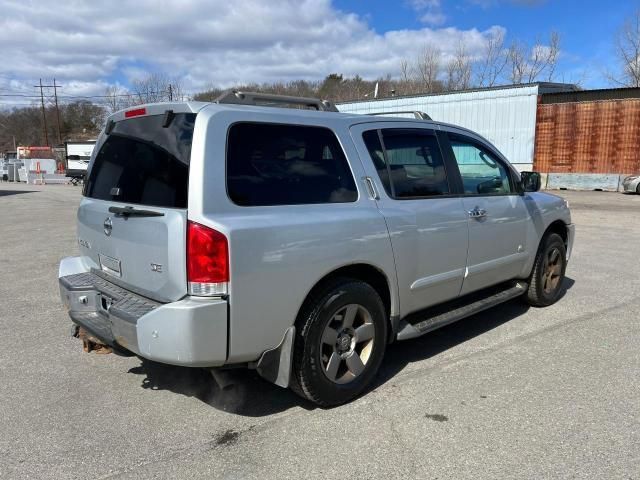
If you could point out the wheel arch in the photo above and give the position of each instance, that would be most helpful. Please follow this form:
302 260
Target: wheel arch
367 273
559 227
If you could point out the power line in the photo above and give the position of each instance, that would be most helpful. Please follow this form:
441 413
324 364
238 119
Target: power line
170 93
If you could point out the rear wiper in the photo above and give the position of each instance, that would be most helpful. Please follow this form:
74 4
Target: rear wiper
131 212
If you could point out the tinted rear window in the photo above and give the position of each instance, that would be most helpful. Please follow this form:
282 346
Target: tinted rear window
270 164
141 162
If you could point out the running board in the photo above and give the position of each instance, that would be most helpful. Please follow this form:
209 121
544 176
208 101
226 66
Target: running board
440 318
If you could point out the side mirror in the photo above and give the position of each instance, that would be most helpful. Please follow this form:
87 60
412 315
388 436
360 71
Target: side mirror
530 181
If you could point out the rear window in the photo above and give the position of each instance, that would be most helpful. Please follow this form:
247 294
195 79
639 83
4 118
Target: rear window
142 162
269 164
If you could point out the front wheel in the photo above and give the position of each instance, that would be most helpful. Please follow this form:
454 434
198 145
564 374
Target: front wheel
548 272
340 342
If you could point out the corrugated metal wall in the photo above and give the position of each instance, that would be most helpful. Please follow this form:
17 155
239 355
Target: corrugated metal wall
506 117
588 137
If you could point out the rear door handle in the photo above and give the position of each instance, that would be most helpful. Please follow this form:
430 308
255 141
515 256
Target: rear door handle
373 193
478 213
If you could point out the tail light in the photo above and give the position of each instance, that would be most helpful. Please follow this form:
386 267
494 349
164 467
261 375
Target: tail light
136 112
207 261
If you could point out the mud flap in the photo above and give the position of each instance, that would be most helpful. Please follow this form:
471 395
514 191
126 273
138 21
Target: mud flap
275 365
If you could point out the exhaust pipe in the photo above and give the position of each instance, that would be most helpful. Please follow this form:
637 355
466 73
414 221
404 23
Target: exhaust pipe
223 379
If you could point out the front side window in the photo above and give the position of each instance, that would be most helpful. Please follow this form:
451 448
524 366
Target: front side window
482 173
272 164
410 163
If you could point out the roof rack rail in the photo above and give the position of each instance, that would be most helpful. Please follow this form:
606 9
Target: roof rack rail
268 99
415 113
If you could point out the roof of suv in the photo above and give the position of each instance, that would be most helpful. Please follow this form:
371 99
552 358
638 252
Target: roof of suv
276 111
265 103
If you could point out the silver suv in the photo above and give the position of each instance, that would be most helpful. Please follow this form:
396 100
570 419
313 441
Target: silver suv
300 242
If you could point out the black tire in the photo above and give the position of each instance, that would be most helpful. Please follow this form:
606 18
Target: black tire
638 189
311 372
545 287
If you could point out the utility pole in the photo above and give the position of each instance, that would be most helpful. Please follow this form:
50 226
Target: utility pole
170 93
44 116
55 95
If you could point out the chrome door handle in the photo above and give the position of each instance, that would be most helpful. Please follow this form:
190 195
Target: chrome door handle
373 193
478 213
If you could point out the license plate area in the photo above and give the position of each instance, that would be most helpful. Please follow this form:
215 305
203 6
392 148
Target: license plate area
110 265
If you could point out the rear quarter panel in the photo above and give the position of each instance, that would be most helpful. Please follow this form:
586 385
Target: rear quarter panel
278 253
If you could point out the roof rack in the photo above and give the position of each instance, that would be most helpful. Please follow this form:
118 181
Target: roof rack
268 99
415 113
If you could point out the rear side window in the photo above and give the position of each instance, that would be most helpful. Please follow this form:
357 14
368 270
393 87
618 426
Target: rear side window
410 163
142 162
269 164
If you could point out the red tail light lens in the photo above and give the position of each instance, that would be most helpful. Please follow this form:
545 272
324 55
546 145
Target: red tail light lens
135 112
207 255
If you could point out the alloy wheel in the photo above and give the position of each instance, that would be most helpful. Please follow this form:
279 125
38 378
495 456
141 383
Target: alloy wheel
347 343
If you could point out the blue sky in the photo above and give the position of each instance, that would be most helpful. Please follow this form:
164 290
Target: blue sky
587 28
91 46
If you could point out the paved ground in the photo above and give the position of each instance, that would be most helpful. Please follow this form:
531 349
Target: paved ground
510 393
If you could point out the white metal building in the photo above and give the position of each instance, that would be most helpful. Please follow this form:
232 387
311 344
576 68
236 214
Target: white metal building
506 116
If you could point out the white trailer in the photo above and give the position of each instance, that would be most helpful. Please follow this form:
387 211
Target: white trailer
77 158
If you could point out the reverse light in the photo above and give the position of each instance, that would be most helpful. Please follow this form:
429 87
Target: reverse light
207 261
136 112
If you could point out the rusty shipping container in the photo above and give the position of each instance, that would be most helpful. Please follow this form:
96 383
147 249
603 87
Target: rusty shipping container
590 137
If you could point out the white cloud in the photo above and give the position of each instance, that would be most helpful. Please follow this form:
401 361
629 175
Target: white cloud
429 12
88 45
493 3
433 18
424 4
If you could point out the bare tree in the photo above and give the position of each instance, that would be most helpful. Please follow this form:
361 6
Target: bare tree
428 67
627 47
527 64
517 59
157 87
552 57
405 71
493 61
537 62
544 57
458 69
116 98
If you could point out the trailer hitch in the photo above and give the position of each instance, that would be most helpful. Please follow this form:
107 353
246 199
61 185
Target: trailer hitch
89 342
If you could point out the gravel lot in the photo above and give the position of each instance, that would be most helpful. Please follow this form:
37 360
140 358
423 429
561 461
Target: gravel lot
510 393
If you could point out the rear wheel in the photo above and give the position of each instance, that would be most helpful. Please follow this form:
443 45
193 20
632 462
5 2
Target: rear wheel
340 341
548 272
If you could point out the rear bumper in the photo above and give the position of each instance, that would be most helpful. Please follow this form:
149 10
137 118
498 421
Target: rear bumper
190 332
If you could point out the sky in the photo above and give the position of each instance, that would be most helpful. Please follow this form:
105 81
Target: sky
88 46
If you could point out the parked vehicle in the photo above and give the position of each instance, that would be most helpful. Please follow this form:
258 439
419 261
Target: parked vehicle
298 242
78 154
631 184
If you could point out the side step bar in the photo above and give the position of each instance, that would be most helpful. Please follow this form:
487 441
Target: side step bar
441 318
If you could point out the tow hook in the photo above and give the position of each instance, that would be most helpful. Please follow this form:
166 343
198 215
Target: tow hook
89 342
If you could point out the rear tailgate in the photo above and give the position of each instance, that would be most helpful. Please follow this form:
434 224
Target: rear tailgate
132 221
